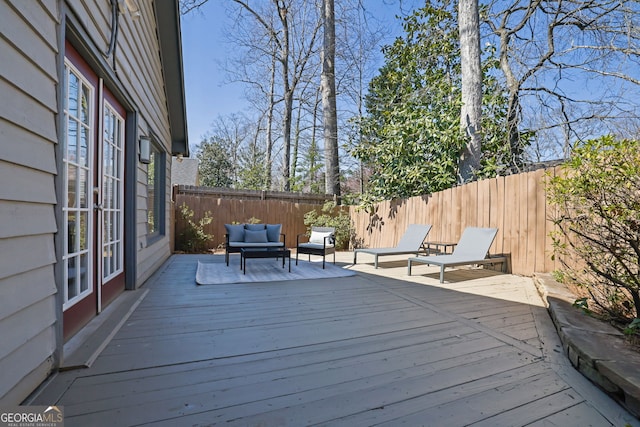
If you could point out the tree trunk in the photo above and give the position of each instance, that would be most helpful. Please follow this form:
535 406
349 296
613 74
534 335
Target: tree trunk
329 110
296 145
288 96
269 132
471 112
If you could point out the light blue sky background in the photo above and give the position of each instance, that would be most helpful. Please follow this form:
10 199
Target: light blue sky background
203 46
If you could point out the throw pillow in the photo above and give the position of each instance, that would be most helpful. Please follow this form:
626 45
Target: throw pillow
255 236
254 227
273 232
318 237
235 232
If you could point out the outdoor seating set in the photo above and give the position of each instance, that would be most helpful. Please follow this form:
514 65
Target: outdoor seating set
267 241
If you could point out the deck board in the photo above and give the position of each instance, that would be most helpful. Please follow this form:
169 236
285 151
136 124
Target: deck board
376 348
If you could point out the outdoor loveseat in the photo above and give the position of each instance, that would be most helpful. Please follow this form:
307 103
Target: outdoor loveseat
259 236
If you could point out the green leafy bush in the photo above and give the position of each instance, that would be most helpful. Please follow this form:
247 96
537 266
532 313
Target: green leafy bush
193 239
332 216
597 195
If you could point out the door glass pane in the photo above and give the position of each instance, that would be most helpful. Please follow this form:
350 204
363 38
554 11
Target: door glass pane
83 187
106 159
107 127
105 261
72 140
112 229
112 259
72 183
72 288
84 272
106 227
85 117
72 99
84 231
105 193
72 233
84 146
116 257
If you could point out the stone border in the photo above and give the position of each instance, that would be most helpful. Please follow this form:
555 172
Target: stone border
596 349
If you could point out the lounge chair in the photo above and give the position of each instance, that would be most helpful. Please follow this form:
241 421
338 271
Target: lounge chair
472 248
410 243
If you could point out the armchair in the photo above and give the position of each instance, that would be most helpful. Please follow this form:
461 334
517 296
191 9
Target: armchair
322 242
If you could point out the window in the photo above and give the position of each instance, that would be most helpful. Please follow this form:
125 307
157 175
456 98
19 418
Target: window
155 193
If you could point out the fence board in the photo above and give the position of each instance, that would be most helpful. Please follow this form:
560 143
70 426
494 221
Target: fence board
497 212
536 231
484 202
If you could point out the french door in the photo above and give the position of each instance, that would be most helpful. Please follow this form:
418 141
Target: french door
93 168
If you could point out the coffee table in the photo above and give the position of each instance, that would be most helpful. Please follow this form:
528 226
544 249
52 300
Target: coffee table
263 253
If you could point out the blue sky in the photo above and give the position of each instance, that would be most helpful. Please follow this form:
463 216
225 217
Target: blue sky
203 47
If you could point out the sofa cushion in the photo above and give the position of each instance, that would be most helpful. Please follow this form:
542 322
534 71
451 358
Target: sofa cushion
315 246
254 227
256 245
258 236
235 232
318 237
273 232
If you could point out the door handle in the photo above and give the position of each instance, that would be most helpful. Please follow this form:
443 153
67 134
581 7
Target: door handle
98 206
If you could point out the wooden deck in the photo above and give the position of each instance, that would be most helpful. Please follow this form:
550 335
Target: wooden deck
376 348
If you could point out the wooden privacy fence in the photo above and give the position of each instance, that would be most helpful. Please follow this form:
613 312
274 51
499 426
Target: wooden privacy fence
515 204
228 206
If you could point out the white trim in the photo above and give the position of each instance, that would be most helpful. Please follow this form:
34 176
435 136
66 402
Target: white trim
118 193
98 194
76 253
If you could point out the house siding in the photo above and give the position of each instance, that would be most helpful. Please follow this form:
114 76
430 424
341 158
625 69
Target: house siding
28 136
31 41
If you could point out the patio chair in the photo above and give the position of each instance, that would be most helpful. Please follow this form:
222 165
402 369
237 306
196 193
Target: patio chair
322 242
410 243
473 248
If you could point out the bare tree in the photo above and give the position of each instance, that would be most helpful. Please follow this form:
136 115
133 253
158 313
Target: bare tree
276 57
357 49
570 67
471 111
294 39
234 132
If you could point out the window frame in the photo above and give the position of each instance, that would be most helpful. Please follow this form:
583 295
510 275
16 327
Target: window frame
156 201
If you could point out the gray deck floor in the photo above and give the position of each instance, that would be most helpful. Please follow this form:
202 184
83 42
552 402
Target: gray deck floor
378 348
